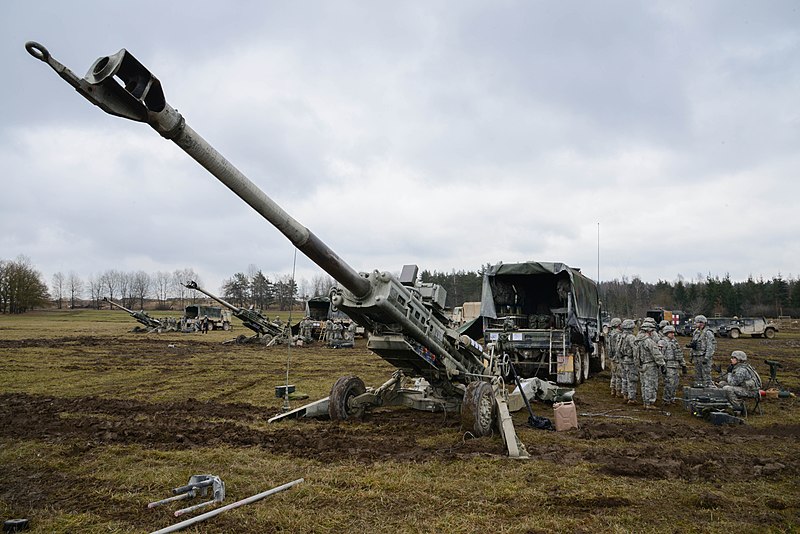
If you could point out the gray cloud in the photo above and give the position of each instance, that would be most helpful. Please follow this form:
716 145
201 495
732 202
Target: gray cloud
442 133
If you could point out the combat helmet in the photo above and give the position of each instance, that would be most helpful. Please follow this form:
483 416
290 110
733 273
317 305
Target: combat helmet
667 329
700 319
739 355
615 322
663 324
628 324
647 326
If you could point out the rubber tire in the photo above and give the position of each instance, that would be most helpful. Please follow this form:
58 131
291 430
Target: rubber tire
769 333
734 333
478 411
598 364
342 391
585 366
577 368
265 339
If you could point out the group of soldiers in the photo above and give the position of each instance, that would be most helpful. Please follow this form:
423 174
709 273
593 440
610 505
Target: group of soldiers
642 359
332 332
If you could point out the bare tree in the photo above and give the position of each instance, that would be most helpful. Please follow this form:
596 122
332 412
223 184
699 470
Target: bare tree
75 287
162 283
109 281
95 290
58 288
140 286
180 277
125 284
321 285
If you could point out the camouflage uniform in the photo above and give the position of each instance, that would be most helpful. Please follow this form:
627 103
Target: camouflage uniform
703 345
673 358
742 380
612 350
651 364
630 377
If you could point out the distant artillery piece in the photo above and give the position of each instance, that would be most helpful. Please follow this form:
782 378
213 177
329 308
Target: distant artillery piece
151 324
266 332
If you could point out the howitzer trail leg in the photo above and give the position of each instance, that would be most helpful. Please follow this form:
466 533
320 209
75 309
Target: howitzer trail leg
516 449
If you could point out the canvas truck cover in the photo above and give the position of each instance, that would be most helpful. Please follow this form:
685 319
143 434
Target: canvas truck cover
535 285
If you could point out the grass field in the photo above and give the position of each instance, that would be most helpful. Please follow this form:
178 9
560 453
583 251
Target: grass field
95 422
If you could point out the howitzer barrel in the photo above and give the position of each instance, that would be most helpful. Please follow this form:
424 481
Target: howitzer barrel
193 285
142 99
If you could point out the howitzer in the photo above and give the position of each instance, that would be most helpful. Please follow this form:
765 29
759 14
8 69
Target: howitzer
406 327
266 331
141 316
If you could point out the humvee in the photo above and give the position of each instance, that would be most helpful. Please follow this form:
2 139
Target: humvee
753 326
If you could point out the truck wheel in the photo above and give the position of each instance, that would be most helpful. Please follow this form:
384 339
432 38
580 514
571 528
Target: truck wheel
226 326
577 368
478 409
734 333
769 333
598 363
342 393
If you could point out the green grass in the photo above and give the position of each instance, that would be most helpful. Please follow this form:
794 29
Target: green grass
681 473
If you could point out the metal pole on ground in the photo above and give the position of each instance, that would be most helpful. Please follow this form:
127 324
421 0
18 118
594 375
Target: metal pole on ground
212 513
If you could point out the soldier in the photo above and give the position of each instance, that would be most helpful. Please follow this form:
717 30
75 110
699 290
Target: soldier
612 349
651 364
305 329
660 331
278 321
630 373
742 381
703 345
673 358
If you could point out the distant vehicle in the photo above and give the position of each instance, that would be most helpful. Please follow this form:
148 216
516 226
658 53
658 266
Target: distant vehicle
678 318
467 312
752 326
319 310
218 319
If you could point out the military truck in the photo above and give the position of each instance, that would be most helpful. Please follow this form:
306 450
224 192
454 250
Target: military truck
218 319
545 318
751 326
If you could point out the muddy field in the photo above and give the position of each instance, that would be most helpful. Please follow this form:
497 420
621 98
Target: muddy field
96 422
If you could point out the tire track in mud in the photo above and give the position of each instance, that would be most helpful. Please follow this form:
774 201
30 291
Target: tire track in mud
651 451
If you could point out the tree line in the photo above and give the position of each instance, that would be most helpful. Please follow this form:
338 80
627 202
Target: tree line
256 289
710 295
22 288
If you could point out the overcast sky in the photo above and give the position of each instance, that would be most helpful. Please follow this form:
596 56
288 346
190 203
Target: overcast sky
449 134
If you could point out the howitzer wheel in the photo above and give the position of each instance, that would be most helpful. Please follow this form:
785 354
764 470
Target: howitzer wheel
342 392
478 412
265 339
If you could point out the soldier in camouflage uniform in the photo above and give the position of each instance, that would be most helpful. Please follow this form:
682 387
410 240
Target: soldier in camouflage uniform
660 331
673 358
612 349
651 364
742 381
703 345
630 372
